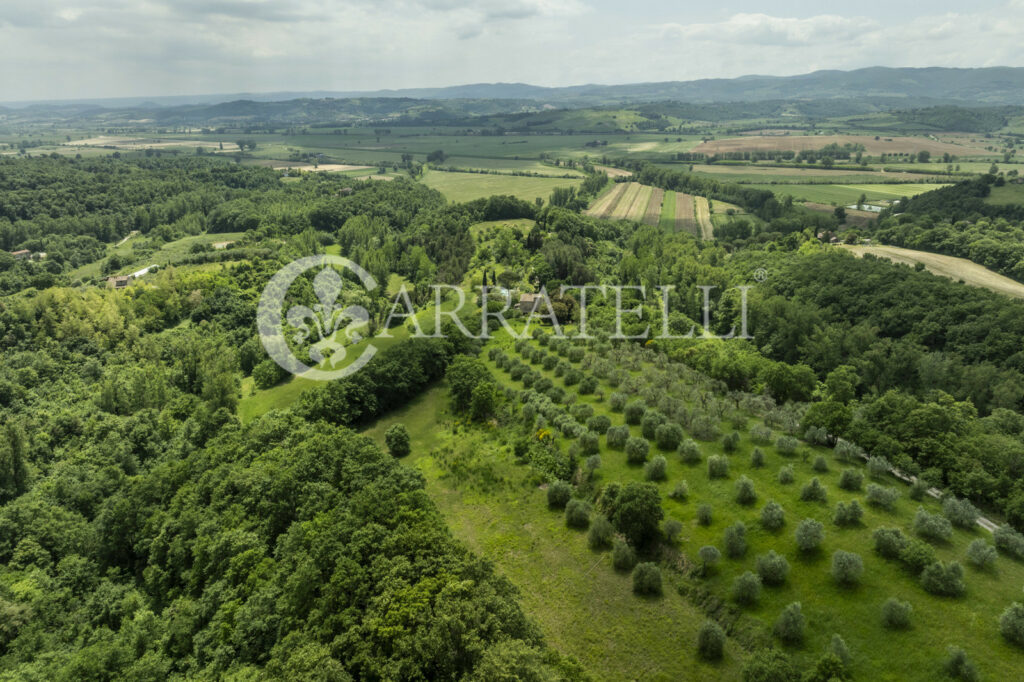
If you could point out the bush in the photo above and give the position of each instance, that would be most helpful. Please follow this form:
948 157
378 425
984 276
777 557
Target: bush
704 515
773 568
617 401
882 497
786 475
709 557
1011 624
820 465
652 419
889 542
851 479
789 627
577 513
761 434
981 554
268 374
847 568
809 535
599 424
837 647
918 489
959 667
397 440
745 493
718 467
773 517
960 513
731 443
590 443
756 458
587 386
581 412
647 580
601 533
635 412
592 464
542 385
617 436
896 614
878 467
680 493
848 514
668 436
932 527
917 555
689 452
769 665
656 469
1009 541
671 530
636 450
736 540
623 556
846 451
559 493
786 445
746 589
814 492
710 641
944 579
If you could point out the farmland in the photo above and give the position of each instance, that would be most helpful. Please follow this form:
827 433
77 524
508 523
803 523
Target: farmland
848 194
461 187
795 143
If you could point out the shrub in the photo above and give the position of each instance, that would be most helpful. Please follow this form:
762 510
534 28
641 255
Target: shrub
623 556
809 535
572 377
577 514
590 443
889 542
617 401
786 475
576 354
559 493
932 527
882 497
655 470
671 530
704 515
582 412
397 440
746 589
761 434
756 458
710 641
718 467
635 412
918 489
709 557
668 436
789 627
960 513
773 517
917 555
651 421
981 554
813 492
786 445
878 467
636 450
959 667
647 580
745 493
601 533
542 385
680 493
896 614
549 362
838 648
617 436
848 514
851 480
944 579
1009 541
689 452
587 386
847 568
820 465
731 443
736 540
599 424
846 451
1011 624
773 568
769 665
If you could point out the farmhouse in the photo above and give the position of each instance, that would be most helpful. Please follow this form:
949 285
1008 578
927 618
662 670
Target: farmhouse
21 254
119 282
528 303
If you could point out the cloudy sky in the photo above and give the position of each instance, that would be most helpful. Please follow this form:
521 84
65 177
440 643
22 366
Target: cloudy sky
71 49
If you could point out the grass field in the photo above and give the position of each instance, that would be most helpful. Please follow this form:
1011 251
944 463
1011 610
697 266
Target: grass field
653 214
137 259
958 269
667 219
462 187
685 219
883 145
703 213
1006 195
848 194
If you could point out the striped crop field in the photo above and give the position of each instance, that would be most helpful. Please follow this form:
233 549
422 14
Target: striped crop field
606 203
626 202
684 215
654 207
707 229
638 209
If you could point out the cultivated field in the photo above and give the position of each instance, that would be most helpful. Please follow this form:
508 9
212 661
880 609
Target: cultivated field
703 212
462 187
607 202
685 220
653 214
883 145
959 269
848 194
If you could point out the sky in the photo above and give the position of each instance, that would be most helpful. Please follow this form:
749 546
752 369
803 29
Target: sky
76 49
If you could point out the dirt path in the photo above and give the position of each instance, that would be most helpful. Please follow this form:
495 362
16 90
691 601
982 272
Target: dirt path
707 229
606 204
947 266
684 214
127 237
653 214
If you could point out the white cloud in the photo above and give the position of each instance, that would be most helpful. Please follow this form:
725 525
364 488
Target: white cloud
762 29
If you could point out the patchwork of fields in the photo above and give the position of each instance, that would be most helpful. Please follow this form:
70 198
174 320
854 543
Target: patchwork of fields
673 211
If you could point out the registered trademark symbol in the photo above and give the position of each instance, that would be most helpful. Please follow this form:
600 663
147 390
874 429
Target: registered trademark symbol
760 274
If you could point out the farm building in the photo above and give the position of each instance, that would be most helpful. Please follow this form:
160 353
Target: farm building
21 254
528 303
119 281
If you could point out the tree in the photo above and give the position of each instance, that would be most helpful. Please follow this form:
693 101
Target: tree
773 568
601 534
773 517
655 470
851 479
623 556
848 514
790 625
464 374
736 540
847 568
559 493
944 579
840 214
813 492
704 514
1011 624
769 665
397 440
746 589
577 513
959 667
668 436
637 449
932 527
709 557
647 580
718 467
809 535
711 641
981 554
638 513
896 614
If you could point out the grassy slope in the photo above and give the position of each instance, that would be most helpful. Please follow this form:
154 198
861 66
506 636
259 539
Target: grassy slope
166 254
